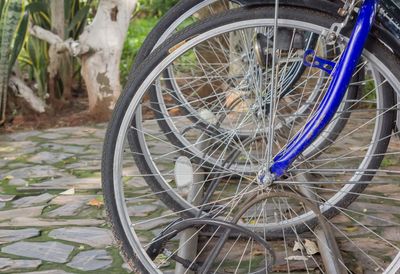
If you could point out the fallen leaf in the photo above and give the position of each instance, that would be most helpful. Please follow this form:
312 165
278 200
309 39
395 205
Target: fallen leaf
175 112
162 260
311 247
296 258
258 253
351 229
97 202
70 191
298 246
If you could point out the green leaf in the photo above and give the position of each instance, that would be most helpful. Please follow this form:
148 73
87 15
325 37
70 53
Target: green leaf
79 18
19 40
2 3
9 22
25 60
36 7
67 9
39 12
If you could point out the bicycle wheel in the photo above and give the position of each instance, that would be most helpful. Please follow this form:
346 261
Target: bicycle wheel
186 12
337 174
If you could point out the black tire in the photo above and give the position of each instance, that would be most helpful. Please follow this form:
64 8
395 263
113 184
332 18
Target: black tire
318 18
177 11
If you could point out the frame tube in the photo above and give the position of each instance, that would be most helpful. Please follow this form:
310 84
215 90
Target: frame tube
330 103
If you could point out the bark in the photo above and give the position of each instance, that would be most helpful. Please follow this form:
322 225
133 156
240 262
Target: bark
57 17
100 67
60 67
20 89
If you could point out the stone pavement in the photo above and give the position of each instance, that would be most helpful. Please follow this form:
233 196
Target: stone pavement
52 218
51 208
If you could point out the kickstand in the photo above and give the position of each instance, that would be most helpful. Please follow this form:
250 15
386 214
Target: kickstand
327 245
189 238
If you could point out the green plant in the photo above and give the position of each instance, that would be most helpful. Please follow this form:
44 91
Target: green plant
154 7
137 32
13 26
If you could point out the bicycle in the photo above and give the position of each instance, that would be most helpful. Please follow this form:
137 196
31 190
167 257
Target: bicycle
303 180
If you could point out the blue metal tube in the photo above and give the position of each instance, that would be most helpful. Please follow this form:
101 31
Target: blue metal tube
341 78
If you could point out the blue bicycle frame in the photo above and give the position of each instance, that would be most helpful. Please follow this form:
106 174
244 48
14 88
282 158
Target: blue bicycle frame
341 77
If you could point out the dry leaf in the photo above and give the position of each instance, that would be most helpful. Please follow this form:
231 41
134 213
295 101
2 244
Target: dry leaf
175 112
311 247
297 246
258 253
351 229
70 191
296 258
97 202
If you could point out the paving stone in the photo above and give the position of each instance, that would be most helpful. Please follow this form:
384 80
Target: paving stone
88 165
49 157
3 163
137 182
21 212
80 131
70 204
2 205
7 148
67 199
18 182
91 260
68 182
16 149
127 267
77 141
36 172
32 200
38 222
391 234
53 271
368 208
66 210
141 210
48 251
377 220
6 198
12 235
65 148
52 136
100 133
93 236
22 136
151 224
17 165
7 265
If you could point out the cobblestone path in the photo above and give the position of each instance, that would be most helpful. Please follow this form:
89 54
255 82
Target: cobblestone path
52 217
51 205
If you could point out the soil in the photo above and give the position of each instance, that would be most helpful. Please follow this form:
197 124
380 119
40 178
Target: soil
64 115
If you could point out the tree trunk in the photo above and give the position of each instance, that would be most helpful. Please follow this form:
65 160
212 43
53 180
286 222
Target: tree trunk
100 66
60 66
